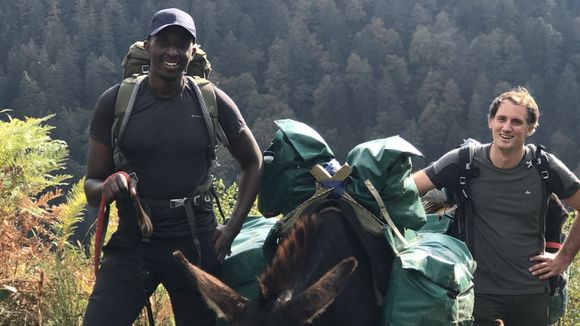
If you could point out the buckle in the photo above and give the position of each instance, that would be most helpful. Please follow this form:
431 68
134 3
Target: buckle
134 176
174 203
196 200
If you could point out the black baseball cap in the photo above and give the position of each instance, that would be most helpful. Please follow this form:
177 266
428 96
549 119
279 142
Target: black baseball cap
171 17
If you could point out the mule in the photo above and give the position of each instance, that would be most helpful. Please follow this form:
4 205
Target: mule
324 272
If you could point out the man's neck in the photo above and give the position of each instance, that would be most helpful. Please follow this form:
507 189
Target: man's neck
165 88
504 158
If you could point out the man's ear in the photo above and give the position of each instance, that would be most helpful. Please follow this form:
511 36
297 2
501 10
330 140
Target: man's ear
146 46
531 130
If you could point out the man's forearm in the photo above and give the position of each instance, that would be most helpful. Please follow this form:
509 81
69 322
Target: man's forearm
93 189
572 244
248 189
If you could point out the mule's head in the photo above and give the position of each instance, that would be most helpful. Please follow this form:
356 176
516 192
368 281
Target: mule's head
286 308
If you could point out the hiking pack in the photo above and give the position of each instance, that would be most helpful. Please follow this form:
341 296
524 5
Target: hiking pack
459 226
296 148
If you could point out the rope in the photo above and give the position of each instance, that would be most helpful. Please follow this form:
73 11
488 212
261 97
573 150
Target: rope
99 234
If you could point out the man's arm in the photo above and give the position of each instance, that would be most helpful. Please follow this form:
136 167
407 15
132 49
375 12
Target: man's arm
549 265
247 153
422 182
100 163
99 167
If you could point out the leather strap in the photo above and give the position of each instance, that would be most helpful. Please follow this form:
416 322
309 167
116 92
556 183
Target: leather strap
384 211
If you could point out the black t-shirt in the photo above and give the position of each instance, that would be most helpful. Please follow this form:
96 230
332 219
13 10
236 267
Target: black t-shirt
166 144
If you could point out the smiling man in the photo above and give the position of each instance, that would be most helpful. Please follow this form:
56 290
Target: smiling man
505 214
166 144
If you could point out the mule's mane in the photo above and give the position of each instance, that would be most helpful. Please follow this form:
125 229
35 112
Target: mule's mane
437 207
290 258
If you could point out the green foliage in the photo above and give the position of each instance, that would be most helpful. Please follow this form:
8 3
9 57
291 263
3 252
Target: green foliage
71 213
32 231
27 157
68 285
572 316
227 200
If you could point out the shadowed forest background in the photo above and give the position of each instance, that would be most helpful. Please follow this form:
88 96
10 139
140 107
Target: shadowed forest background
353 69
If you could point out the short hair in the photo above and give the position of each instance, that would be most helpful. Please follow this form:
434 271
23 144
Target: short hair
519 96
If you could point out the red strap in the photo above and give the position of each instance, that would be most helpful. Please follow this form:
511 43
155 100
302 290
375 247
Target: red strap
553 245
100 226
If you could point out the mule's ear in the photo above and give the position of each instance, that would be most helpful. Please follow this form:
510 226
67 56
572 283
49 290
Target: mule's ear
226 302
312 302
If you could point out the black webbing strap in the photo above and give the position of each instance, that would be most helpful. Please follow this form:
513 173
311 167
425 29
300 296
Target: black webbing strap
144 278
201 195
462 225
217 202
190 214
541 162
464 170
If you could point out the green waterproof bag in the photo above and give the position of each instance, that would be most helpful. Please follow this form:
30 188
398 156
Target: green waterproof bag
246 261
287 181
242 267
437 223
387 163
431 281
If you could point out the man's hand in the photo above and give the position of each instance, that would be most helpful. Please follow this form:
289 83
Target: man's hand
118 186
222 241
548 265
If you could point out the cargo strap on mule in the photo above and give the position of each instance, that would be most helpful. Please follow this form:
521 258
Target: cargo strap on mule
333 186
327 187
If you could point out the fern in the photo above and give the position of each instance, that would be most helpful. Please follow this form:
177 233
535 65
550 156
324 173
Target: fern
28 156
70 213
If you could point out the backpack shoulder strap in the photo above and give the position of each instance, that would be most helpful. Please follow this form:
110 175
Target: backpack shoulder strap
466 171
123 108
541 161
209 97
462 226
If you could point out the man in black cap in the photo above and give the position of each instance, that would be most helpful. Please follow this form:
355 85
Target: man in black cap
165 143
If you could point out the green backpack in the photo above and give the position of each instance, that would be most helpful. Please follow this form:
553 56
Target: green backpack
387 163
136 62
287 182
135 69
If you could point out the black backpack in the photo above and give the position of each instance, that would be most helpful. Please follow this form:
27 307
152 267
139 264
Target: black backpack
459 194
555 216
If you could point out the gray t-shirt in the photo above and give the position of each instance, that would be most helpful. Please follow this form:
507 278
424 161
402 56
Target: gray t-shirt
507 210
